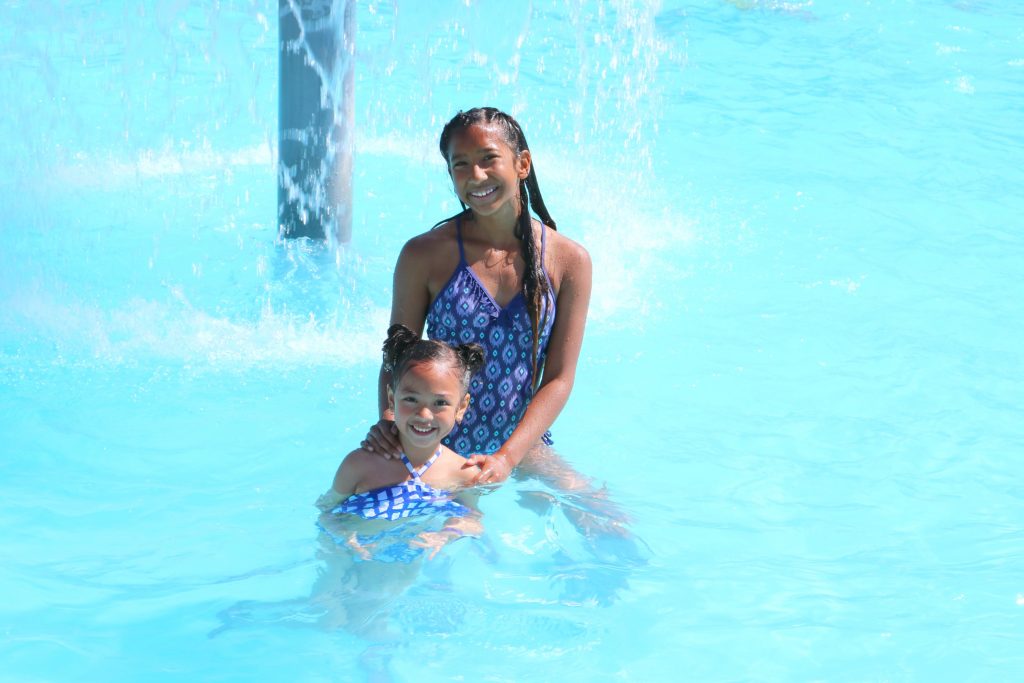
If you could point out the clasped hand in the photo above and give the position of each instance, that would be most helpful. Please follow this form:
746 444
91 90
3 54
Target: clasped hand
494 468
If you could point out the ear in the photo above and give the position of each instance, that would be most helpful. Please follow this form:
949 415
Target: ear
523 163
463 407
391 401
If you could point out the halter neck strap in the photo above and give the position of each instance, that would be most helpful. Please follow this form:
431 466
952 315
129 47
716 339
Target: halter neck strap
417 473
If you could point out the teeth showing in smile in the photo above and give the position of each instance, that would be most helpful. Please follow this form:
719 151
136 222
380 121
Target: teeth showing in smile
483 193
421 430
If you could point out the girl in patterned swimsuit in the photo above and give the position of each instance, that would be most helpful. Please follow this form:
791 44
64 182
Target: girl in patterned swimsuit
428 396
496 276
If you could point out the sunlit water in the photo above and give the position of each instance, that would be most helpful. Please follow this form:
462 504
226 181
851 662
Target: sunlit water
801 380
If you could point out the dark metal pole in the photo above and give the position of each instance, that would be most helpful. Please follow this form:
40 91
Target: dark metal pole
315 118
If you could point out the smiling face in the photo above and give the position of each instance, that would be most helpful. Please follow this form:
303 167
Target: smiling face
485 170
427 401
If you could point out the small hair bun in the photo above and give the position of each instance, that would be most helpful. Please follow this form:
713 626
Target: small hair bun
472 356
400 338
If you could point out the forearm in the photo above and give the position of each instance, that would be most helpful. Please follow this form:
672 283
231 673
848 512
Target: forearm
469 525
544 407
454 528
383 380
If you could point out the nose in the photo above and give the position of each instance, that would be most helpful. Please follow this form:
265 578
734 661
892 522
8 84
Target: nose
424 412
479 173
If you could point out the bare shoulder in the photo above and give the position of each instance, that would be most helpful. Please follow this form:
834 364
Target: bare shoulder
359 458
568 259
429 259
432 241
353 470
567 248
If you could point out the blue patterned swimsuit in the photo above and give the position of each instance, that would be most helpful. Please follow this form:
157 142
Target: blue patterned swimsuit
411 497
463 312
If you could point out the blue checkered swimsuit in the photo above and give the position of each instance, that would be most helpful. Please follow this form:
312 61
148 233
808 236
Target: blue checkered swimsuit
464 311
411 497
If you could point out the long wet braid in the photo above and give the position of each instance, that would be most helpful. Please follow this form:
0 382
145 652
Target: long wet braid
535 285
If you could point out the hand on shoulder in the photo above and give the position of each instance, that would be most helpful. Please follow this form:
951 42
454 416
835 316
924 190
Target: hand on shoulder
455 474
382 439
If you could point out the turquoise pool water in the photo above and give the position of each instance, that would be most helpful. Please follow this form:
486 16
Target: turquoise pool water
801 381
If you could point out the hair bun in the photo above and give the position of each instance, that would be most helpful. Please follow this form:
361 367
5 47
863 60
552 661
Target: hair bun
400 338
472 356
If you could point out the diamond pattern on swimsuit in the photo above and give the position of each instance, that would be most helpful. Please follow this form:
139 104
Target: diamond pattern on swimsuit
501 391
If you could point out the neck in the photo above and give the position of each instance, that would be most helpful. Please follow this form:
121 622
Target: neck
419 455
498 230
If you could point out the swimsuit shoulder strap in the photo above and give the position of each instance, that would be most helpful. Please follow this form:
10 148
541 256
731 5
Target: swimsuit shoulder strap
417 473
408 465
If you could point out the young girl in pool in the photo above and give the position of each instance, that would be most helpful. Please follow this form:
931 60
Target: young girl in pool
496 276
427 394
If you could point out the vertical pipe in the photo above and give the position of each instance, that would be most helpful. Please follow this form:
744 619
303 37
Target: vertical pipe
316 108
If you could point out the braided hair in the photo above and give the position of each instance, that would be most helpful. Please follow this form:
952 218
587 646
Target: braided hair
403 348
535 285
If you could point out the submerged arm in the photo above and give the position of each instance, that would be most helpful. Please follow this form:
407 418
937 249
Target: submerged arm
456 527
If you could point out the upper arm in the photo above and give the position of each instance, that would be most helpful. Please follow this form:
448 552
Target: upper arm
350 474
410 296
571 313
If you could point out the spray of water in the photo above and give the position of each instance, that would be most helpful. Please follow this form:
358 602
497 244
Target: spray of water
153 236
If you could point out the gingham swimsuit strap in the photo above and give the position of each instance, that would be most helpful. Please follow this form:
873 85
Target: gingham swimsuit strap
417 473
